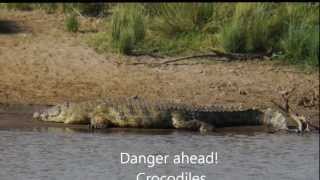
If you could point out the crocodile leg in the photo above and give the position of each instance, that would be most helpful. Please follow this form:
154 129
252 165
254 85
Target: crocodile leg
99 122
205 128
181 121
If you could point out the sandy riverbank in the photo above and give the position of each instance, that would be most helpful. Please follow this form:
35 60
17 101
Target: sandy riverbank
42 64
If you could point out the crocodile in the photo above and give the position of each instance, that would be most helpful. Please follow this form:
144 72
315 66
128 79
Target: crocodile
139 113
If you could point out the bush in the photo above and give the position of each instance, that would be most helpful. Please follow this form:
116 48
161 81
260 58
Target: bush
183 44
172 19
233 37
126 42
72 23
48 7
87 9
255 28
301 44
90 9
290 29
222 15
19 6
307 13
128 28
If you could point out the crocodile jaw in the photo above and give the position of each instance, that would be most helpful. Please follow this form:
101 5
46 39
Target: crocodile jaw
53 114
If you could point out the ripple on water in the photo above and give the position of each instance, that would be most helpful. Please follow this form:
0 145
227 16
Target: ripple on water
63 155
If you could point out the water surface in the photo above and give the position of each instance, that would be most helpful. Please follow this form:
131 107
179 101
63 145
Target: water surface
58 153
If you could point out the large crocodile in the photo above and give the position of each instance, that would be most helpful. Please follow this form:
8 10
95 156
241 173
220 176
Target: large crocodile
137 113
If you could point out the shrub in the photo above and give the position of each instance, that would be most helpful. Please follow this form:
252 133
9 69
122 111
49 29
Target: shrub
126 42
233 37
255 28
87 9
90 9
128 28
307 13
48 7
301 44
290 29
171 19
72 23
222 15
183 44
19 6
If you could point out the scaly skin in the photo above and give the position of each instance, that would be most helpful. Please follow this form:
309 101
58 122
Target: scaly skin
137 113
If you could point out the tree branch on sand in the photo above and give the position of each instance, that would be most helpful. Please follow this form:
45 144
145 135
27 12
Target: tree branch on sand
220 56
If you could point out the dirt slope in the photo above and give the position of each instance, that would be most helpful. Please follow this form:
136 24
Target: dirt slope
40 63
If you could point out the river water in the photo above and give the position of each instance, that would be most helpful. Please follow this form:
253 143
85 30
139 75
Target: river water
57 153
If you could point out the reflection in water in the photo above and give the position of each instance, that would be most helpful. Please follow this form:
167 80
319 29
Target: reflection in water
58 153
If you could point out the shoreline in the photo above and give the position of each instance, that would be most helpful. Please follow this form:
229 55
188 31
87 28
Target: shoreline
19 117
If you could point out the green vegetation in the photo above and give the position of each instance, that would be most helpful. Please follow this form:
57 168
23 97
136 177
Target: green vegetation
300 43
254 28
48 7
174 19
289 31
72 23
128 28
85 9
19 6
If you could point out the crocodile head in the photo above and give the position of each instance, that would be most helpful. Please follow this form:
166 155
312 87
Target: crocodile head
68 113
55 114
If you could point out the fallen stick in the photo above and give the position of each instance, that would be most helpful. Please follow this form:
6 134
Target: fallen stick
229 56
216 54
191 57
